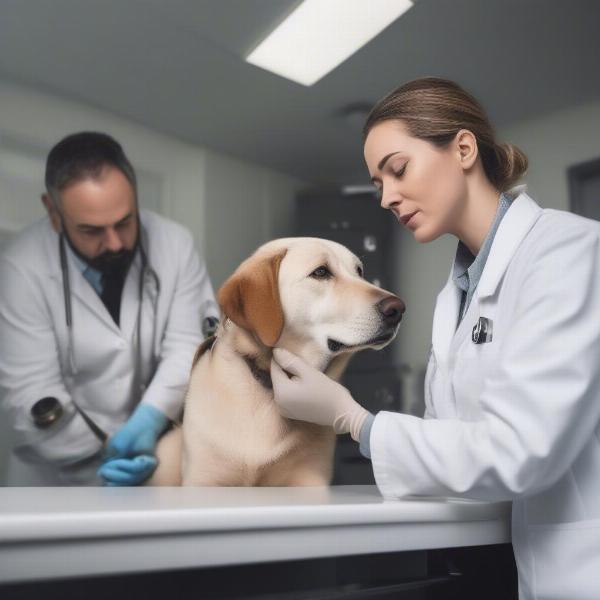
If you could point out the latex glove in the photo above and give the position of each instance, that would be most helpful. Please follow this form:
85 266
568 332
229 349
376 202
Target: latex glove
139 434
134 444
313 396
127 471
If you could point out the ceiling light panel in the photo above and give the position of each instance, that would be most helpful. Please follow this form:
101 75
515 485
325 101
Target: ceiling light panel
321 34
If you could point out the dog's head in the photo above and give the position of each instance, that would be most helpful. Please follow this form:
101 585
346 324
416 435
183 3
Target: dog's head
308 295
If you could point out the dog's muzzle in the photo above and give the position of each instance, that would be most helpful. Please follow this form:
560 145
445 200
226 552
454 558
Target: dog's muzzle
390 309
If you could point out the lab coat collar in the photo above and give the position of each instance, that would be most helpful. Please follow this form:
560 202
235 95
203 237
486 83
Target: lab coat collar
519 219
515 225
82 289
130 300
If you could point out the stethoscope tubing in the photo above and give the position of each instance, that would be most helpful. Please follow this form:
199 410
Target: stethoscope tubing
145 267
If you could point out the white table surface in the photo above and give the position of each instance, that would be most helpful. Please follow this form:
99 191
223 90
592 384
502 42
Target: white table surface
65 532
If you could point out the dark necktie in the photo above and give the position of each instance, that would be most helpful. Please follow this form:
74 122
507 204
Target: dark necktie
111 293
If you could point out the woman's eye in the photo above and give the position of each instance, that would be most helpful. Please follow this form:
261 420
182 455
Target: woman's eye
359 271
321 273
399 172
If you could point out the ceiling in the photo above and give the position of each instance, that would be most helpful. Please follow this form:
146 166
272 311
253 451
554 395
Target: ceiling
177 66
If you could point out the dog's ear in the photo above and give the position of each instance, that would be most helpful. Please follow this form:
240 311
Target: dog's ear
250 297
206 345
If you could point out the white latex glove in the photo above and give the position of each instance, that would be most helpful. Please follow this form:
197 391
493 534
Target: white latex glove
312 396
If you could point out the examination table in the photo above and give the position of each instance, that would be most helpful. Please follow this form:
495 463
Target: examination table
272 543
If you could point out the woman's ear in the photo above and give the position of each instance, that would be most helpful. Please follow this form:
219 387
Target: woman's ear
250 297
466 145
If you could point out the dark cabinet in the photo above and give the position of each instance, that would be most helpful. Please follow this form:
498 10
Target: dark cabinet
453 574
374 378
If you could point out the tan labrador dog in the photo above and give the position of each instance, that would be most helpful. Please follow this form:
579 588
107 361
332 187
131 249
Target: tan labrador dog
306 295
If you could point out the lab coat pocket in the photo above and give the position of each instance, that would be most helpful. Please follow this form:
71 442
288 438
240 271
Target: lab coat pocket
439 402
472 365
566 560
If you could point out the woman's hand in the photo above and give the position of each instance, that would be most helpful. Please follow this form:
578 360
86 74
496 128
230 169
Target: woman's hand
310 395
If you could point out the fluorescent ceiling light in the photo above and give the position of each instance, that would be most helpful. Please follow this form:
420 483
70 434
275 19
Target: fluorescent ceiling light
320 34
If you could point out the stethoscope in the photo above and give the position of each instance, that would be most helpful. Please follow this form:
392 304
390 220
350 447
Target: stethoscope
146 272
47 411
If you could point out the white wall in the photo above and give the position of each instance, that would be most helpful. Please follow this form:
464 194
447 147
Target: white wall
32 122
178 179
552 142
246 206
230 206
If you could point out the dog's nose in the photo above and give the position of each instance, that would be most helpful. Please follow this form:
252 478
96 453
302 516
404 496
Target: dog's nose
391 309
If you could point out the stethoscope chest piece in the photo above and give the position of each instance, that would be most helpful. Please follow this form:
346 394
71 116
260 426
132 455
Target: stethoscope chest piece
482 332
46 411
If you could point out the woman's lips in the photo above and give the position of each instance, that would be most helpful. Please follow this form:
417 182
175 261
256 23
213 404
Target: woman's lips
405 220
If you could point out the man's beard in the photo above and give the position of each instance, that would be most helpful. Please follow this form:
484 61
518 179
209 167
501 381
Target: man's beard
110 264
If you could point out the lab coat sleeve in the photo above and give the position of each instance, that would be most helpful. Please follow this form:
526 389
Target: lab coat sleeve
193 300
540 402
30 370
429 413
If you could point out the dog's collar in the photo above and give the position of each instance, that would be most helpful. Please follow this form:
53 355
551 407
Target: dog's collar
263 376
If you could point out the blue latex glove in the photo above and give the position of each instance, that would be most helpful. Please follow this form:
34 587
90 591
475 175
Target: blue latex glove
127 471
129 454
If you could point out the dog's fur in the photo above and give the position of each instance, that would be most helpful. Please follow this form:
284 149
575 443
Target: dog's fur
232 432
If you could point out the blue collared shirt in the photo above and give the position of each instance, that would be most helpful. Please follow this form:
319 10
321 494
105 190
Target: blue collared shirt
466 275
468 268
92 275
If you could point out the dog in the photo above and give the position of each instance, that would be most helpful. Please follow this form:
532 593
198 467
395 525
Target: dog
306 295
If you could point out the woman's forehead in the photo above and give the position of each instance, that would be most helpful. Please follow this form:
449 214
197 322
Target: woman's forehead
389 136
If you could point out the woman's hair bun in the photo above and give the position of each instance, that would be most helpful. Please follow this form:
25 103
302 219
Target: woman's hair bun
511 165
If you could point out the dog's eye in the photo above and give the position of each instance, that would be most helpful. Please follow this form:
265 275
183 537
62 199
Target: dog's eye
321 273
359 271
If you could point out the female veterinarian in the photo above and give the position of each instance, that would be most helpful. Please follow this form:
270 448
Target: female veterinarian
512 389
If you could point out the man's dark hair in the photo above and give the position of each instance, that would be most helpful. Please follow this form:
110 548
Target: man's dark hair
81 156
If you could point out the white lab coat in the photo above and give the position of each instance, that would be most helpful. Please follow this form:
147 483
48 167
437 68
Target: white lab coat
517 418
34 346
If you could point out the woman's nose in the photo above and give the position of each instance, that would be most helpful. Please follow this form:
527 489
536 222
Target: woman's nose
389 199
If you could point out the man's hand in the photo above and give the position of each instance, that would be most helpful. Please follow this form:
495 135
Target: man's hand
127 471
129 455
310 395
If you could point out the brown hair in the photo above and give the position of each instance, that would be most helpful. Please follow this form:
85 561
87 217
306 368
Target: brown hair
434 110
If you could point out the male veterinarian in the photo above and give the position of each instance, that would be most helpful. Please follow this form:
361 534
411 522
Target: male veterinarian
101 309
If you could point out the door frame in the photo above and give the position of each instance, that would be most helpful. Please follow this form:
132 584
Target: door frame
576 175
